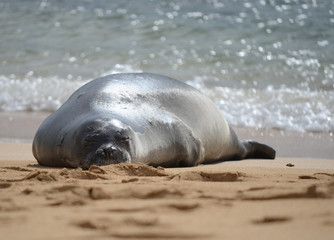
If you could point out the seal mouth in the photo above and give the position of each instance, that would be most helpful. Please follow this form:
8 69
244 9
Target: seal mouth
105 155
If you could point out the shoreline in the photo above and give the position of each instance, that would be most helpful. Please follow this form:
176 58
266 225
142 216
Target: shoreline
20 127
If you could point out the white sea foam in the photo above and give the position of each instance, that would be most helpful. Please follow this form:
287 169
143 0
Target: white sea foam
283 108
32 93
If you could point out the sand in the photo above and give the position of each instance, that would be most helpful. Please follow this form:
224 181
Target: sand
253 199
291 197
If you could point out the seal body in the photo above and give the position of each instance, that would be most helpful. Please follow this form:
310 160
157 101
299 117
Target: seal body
139 118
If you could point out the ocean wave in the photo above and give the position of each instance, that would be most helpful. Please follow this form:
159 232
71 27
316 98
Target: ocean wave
284 108
281 108
31 93
35 93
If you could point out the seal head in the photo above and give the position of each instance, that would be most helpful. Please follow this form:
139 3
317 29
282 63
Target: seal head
100 141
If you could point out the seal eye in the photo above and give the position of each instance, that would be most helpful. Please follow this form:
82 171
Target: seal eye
92 138
122 138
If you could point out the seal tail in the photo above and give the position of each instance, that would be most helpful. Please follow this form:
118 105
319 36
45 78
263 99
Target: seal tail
258 150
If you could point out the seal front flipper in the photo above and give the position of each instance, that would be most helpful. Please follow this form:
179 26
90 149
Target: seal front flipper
258 150
192 151
170 145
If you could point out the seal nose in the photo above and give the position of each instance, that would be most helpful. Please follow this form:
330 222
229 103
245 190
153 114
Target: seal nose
105 152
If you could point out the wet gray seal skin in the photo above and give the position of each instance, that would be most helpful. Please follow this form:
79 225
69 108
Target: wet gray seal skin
139 118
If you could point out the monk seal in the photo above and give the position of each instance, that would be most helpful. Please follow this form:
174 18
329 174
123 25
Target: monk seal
139 118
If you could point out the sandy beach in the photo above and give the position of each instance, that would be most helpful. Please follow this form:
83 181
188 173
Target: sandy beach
267 66
230 200
286 198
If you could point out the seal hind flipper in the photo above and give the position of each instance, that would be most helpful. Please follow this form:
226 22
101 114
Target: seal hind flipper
258 150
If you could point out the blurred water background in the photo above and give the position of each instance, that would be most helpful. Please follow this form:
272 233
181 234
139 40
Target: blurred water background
265 63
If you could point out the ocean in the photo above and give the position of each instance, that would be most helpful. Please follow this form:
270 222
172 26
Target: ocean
266 64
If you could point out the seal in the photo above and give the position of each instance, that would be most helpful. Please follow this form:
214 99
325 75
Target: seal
139 118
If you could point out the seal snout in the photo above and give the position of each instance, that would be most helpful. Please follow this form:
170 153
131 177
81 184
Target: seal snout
105 152
109 154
